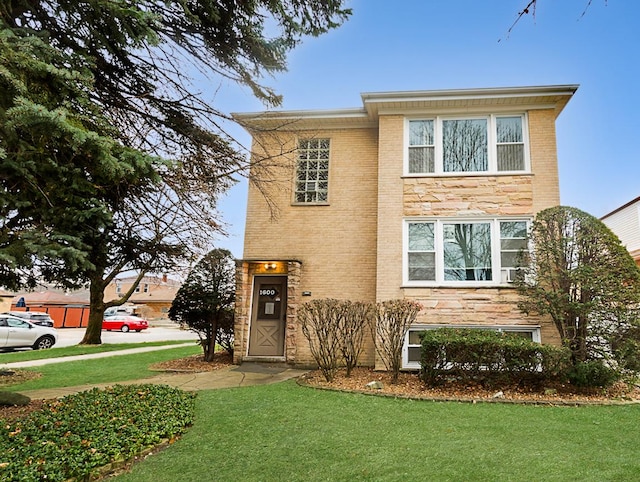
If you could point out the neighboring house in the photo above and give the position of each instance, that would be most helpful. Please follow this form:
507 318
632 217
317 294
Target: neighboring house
421 195
67 310
151 299
625 223
5 300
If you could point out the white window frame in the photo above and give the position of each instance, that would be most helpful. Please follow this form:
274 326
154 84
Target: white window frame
497 276
492 143
534 330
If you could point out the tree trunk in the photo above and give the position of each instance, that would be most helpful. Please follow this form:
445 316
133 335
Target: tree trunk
93 334
210 349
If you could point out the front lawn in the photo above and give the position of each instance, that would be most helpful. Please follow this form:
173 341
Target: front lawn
101 370
57 352
287 432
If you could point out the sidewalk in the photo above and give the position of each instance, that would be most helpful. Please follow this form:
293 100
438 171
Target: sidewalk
247 374
62 359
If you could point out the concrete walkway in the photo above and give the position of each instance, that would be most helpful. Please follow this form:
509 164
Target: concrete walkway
247 374
62 359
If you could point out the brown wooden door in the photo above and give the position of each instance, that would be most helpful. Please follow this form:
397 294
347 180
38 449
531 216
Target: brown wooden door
268 316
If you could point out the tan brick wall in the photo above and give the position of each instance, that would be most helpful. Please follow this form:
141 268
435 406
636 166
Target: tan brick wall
390 207
335 243
544 159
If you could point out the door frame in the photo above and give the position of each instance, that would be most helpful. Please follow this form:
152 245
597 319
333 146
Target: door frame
259 280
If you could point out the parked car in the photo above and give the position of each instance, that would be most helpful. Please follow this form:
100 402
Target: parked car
36 317
19 333
124 323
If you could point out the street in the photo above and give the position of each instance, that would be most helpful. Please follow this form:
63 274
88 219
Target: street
72 336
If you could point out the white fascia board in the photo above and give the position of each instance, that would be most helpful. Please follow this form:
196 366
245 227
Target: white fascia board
469 94
301 114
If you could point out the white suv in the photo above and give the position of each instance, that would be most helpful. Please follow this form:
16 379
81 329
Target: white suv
36 317
18 333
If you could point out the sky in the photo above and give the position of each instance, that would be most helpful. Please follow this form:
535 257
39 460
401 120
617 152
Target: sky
457 44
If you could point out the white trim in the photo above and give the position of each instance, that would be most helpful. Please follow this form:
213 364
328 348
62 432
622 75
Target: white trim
415 365
439 222
492 155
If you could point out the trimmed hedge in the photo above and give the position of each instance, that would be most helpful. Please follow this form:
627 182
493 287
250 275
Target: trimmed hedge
488 357
75 436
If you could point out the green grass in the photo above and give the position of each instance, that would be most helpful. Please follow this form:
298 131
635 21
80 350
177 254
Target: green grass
102 370
284 432
19 356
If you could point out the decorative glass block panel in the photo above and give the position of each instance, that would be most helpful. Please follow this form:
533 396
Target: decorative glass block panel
312 171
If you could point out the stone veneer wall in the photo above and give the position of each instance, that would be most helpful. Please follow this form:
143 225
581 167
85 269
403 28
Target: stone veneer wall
465 197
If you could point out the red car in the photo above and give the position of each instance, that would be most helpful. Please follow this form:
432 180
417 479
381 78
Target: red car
124 323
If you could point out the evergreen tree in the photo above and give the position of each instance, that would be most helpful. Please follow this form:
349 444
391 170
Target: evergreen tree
205 301
109 159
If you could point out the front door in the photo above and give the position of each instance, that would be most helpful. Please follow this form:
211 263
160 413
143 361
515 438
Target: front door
268 316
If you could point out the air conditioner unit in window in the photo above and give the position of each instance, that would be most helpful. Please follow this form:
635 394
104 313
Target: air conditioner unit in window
509 275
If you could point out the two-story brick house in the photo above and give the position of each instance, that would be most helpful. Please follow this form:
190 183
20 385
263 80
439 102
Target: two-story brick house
422 195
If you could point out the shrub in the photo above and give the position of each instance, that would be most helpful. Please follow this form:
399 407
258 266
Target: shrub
356 319
13 398
592 373
488 356
393 320
320 321
73 437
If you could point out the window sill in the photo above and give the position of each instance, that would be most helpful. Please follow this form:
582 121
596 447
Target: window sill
466 174
458 285
311 204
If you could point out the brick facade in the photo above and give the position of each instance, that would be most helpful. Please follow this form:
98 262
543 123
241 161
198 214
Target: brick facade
351 247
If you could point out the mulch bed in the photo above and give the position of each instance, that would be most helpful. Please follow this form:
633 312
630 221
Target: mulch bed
410 386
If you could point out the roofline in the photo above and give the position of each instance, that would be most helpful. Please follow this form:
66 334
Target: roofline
374 104
453 94
633 201
353 113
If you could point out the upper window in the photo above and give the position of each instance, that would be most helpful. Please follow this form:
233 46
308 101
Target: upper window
476 251
312 171
480 144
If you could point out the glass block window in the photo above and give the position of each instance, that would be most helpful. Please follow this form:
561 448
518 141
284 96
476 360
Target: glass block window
312 171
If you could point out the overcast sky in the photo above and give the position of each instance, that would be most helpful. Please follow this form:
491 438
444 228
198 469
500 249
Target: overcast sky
434 44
